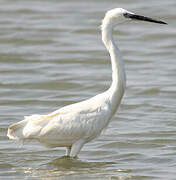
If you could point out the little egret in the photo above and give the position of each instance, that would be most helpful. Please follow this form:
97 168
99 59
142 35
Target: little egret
74 125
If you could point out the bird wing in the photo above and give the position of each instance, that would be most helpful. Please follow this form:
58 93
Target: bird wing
85 119
73 125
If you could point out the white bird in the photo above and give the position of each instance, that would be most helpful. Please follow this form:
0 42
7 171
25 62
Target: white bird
74 125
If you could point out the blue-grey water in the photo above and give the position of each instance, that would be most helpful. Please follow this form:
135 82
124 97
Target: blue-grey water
51 55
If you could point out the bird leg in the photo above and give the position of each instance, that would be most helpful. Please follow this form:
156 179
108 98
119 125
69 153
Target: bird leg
68 149
76 147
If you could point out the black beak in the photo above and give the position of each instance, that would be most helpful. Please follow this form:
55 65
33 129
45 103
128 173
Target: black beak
142 18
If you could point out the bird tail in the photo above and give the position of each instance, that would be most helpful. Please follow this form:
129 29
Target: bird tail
17 131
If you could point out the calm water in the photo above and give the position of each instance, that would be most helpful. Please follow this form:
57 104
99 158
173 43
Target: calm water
51 55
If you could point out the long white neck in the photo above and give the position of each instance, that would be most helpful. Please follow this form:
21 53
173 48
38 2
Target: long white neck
117 87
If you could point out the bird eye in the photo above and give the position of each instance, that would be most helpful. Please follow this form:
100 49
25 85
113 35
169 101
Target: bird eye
126 15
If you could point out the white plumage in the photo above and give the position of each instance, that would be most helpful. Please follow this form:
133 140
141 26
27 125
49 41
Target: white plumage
74 125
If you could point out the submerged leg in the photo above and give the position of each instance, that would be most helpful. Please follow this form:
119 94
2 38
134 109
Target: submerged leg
76 147
68 149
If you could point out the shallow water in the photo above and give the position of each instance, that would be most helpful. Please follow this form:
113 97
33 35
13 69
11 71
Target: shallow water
51 55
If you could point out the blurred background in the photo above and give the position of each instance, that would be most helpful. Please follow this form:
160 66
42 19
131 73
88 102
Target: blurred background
51 55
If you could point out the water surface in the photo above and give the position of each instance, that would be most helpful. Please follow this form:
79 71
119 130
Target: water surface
51 55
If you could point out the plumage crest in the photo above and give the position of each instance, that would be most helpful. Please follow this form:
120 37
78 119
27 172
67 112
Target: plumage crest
114 17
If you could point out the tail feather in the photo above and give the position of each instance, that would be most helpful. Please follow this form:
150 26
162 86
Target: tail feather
15 130
25 128
30 127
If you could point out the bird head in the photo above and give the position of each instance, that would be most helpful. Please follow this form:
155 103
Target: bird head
120 15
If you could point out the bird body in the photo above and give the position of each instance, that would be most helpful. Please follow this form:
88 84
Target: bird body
74 125
80 121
